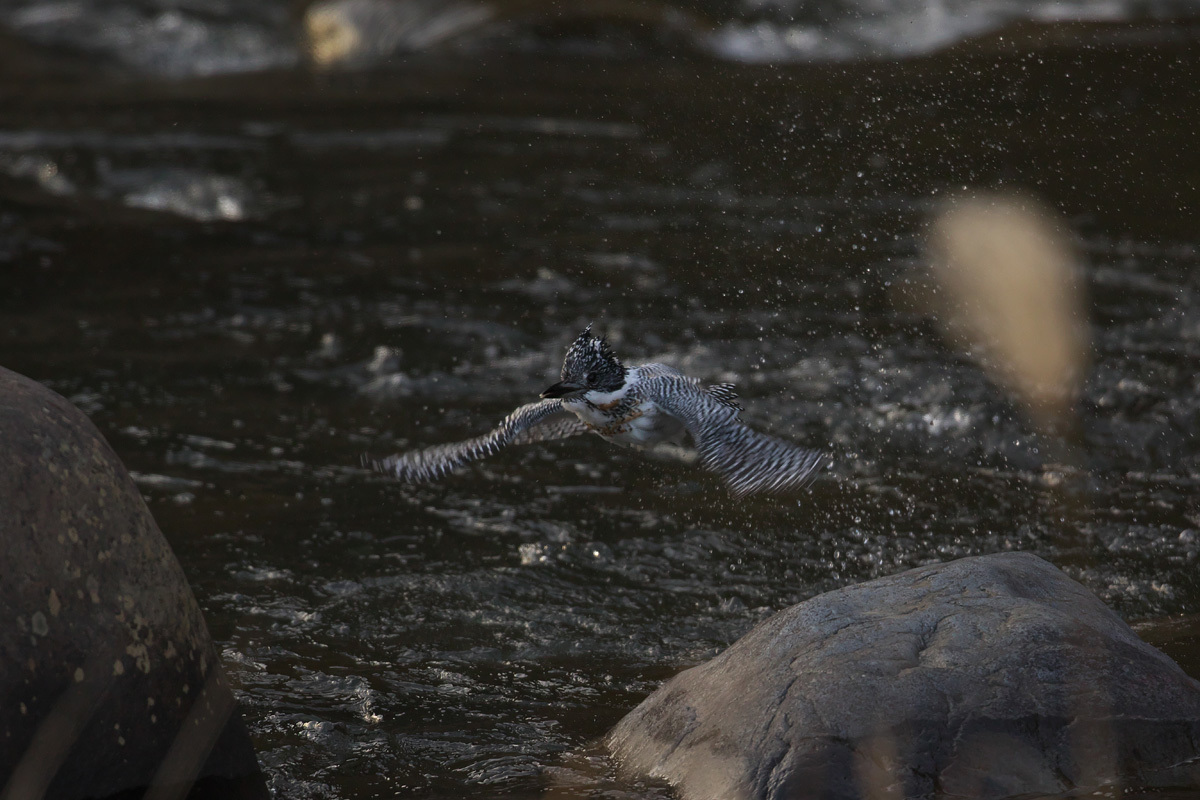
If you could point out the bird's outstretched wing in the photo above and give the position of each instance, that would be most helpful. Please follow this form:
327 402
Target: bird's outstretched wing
750 462
725 394
542 421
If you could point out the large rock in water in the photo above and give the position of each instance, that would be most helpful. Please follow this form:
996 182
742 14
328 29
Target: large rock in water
109 682
986 677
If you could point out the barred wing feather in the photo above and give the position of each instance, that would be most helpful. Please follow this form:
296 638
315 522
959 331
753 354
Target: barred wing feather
724 393
536 422
563 425
750 462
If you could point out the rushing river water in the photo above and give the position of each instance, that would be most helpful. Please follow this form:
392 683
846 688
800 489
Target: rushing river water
250 282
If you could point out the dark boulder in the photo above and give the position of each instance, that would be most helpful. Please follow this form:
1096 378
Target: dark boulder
985 677
109 682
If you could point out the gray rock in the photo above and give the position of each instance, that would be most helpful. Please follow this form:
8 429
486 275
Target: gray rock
109 681
984 677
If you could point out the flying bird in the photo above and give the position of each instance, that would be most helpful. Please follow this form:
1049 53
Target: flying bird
634 406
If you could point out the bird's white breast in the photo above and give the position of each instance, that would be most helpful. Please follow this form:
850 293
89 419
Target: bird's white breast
649 427
643 424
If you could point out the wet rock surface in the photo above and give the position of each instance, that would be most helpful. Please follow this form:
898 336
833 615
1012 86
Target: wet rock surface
992 676
108 678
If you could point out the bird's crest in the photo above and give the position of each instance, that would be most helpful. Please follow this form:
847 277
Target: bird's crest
588 353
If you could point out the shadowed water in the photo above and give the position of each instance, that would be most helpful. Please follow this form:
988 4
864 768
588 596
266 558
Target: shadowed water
251 283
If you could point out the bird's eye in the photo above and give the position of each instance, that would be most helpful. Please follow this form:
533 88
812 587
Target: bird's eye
592 377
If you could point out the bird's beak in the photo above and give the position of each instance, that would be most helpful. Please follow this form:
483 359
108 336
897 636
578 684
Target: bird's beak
561 389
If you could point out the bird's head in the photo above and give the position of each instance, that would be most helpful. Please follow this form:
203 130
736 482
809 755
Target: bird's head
590 365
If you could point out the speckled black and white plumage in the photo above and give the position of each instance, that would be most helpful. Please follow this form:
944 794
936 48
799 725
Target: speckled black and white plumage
635 406
591 361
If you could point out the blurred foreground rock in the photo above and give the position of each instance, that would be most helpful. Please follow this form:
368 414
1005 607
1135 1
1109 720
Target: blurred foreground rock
1010 294
109 682
986 677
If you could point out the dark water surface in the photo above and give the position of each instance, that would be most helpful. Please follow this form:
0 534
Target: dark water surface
249 282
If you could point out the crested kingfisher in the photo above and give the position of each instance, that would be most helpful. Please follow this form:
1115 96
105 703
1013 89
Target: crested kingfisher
635 406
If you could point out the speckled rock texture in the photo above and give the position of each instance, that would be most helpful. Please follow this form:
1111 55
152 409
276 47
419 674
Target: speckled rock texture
109 682
986 677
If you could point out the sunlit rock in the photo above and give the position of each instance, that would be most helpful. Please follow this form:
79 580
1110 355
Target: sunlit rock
987 677
362 33
110 682
345 32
